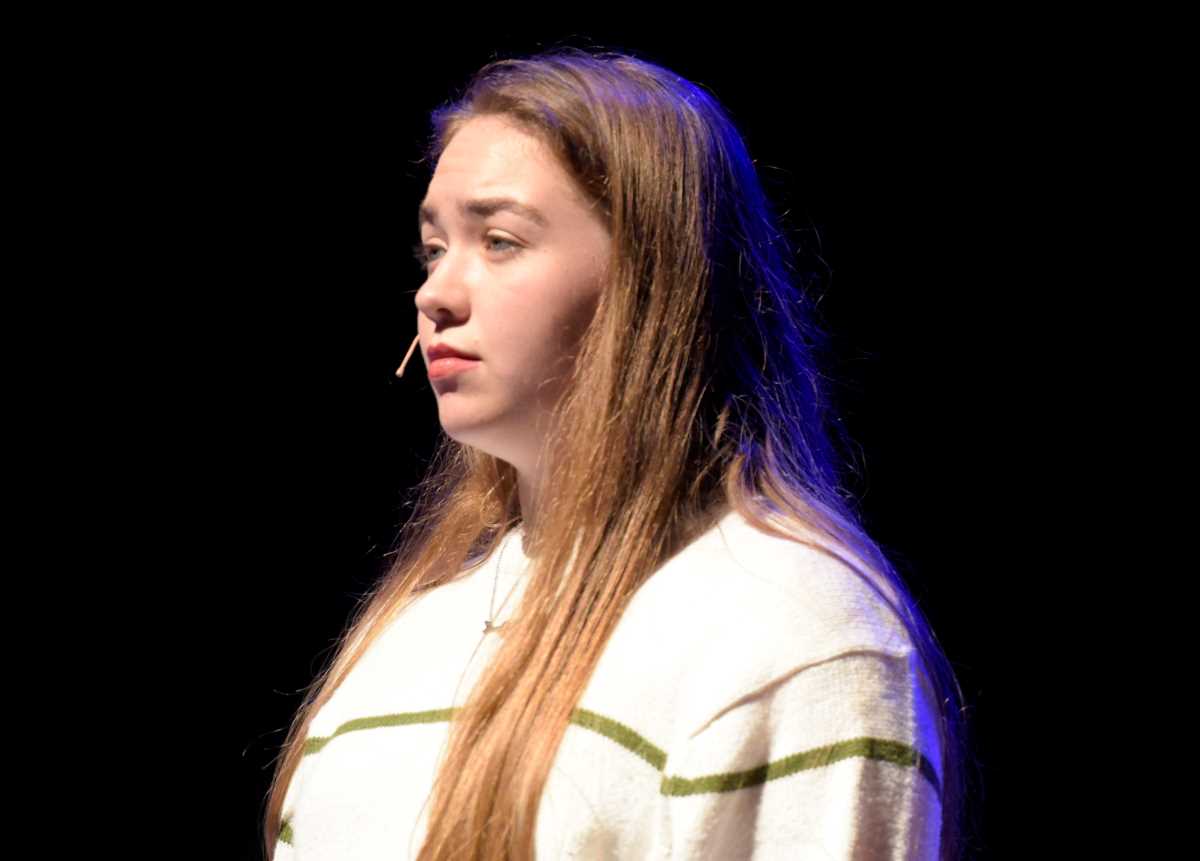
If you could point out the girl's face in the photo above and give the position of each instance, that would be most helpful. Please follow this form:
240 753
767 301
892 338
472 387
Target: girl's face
515 264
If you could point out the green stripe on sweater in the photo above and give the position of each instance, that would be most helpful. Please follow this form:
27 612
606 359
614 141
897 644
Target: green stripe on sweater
312 745
869 748
884 750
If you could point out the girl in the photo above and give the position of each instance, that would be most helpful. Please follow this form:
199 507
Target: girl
634 615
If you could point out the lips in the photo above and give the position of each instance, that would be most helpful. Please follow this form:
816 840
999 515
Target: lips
445 351
447 366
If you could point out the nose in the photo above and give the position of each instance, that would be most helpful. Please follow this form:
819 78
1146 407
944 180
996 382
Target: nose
441 298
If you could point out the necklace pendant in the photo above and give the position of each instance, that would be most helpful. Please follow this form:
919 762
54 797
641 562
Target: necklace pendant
488 627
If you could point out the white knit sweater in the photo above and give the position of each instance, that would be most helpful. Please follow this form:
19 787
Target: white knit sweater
757 700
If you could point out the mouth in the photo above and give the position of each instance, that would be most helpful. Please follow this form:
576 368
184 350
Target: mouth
445 351
449 365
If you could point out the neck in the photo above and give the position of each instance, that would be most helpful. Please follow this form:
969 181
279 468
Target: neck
527 492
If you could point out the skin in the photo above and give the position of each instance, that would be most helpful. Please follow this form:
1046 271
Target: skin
503 288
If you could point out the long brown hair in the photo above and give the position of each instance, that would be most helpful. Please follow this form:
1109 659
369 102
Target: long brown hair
697 389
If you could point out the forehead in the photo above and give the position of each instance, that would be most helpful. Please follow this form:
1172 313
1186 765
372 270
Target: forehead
491 166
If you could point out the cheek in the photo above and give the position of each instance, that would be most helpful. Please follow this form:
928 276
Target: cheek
573 321
537 349
537 328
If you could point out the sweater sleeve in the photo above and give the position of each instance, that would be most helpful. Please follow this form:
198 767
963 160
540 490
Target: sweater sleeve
835 759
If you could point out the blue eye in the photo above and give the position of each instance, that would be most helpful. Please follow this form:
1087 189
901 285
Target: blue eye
423 253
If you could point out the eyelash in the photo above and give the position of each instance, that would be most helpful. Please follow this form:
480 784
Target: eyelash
421 251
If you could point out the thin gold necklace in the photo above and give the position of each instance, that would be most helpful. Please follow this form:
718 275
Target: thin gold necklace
488 627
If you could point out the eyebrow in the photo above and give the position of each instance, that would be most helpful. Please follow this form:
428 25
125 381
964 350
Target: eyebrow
483 207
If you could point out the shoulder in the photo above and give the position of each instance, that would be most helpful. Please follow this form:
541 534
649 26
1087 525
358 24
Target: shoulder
739 609
738 581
